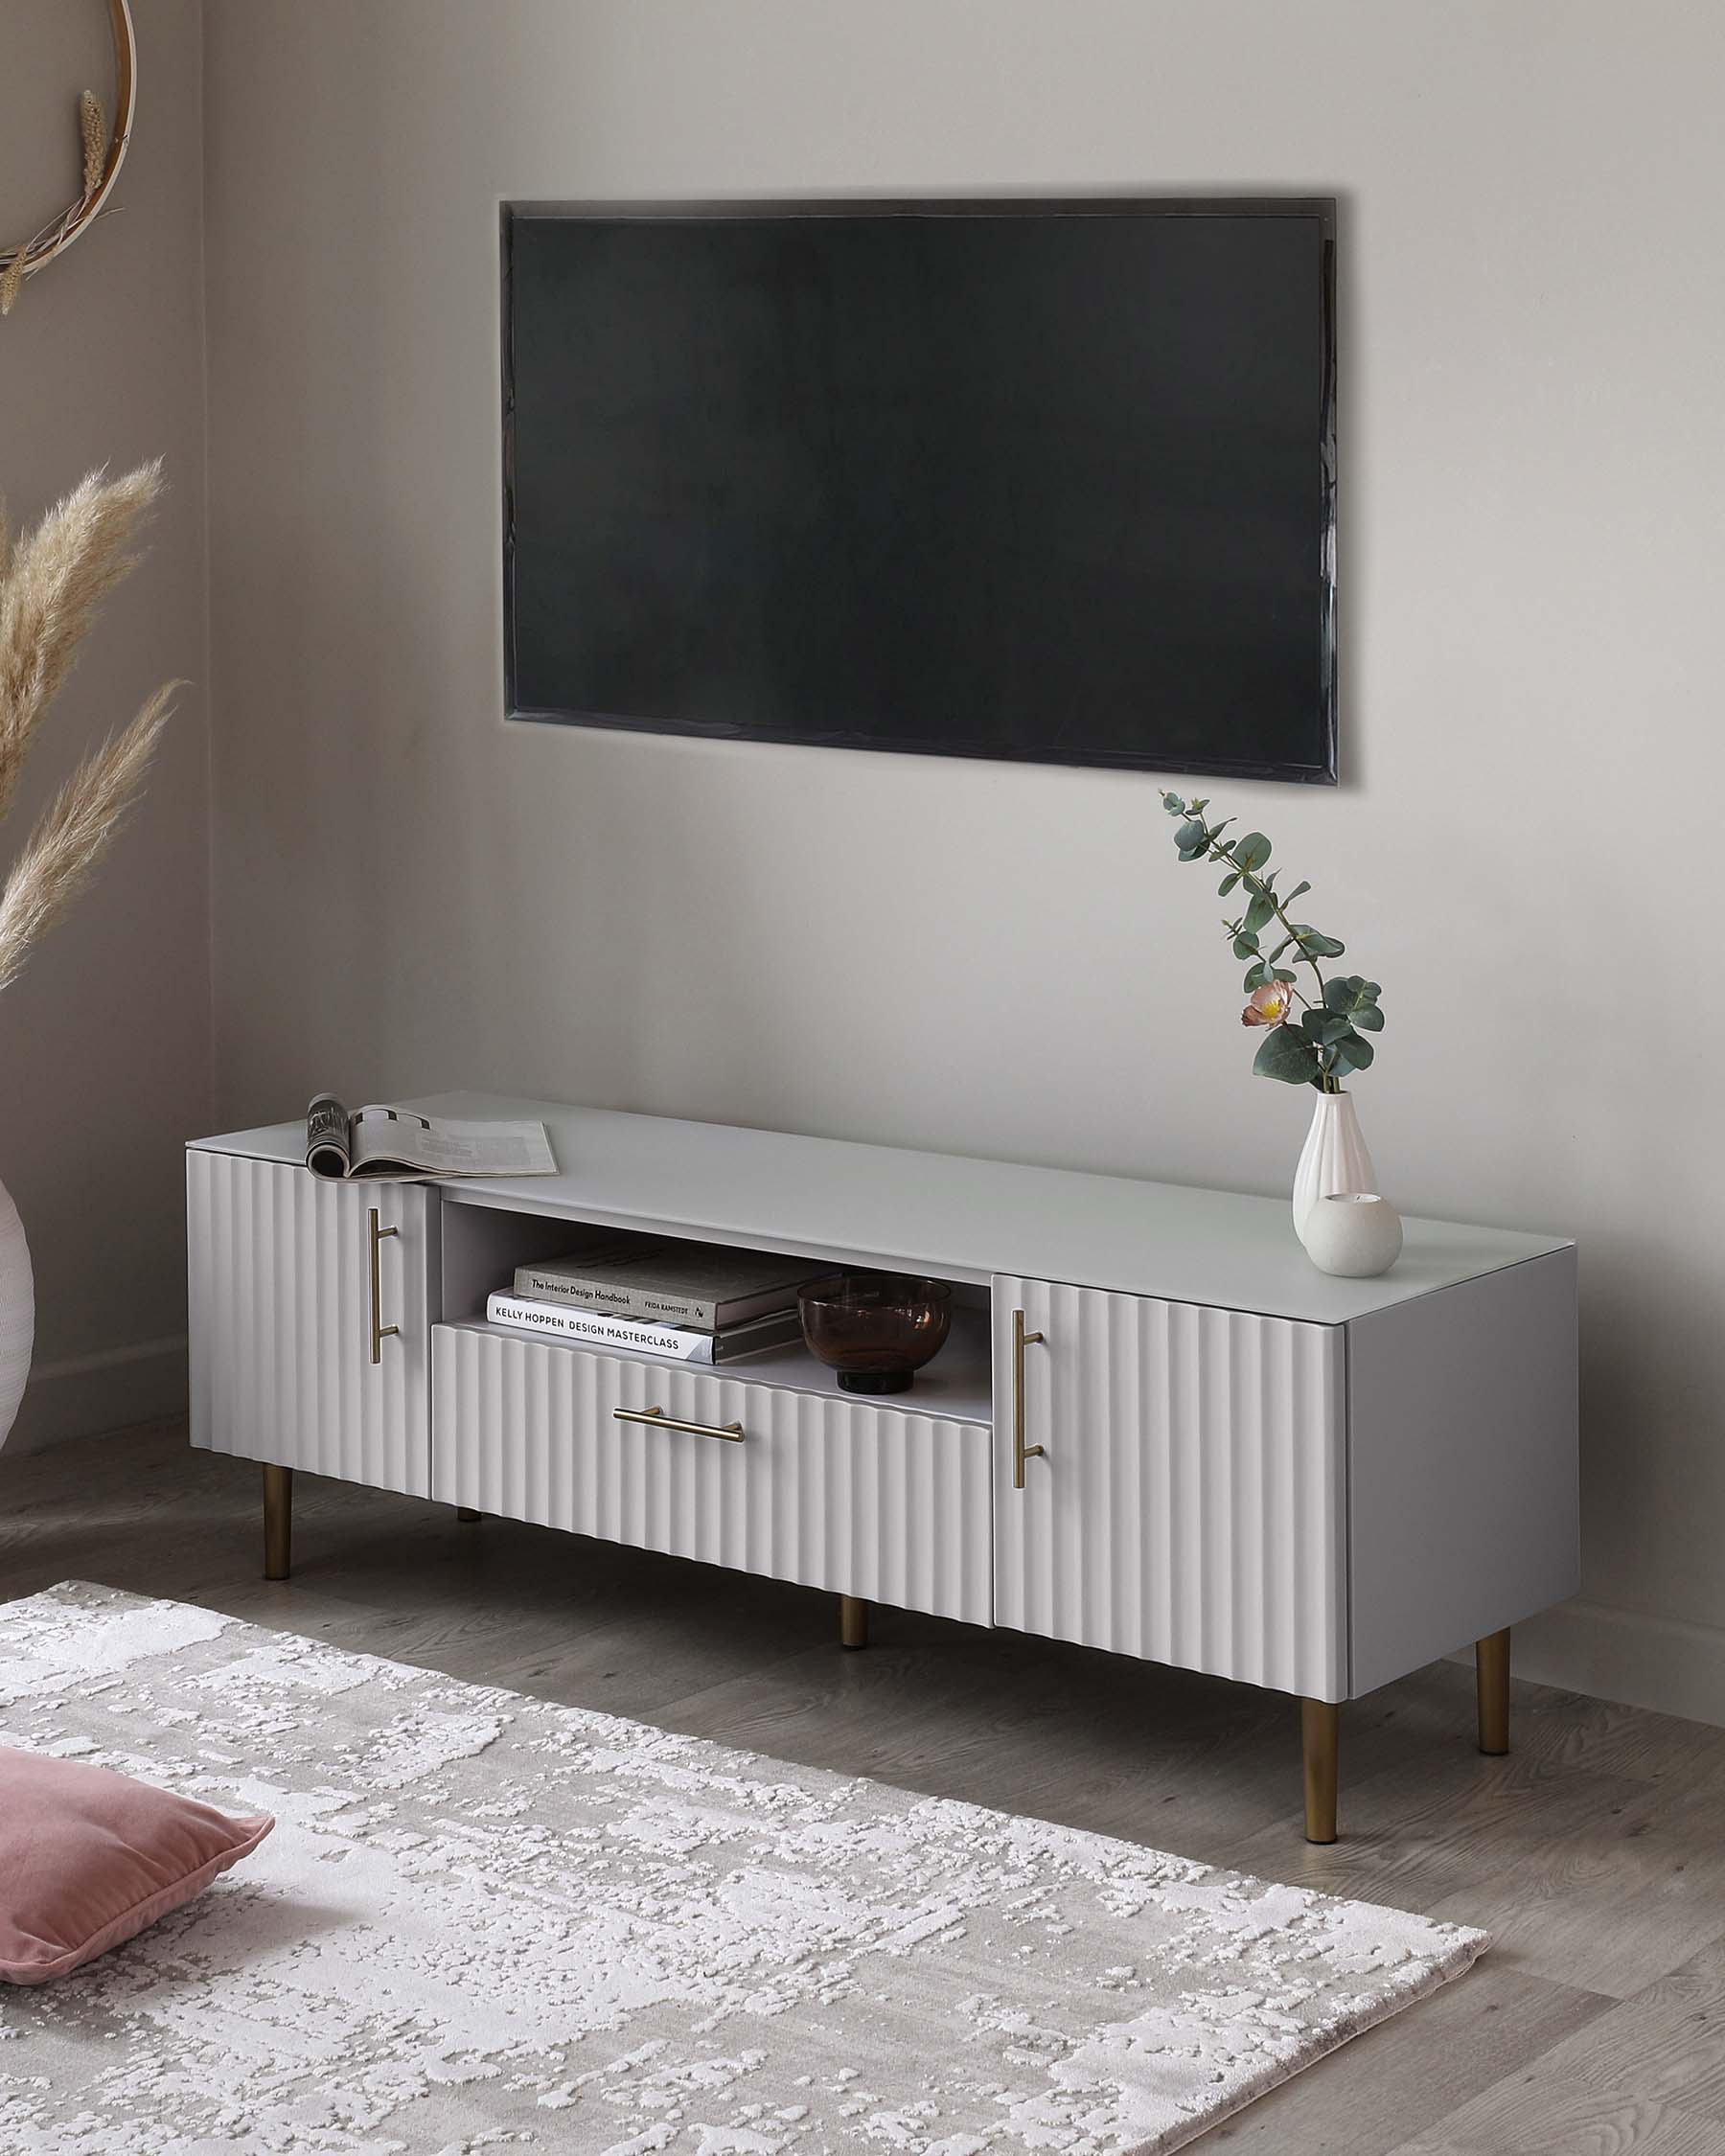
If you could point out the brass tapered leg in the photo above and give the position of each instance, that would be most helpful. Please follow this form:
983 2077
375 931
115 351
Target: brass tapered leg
1320 1737
853 1621
278 1520
1491 1671
465 1514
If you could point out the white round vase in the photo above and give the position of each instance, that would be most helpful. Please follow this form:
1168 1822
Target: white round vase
1334 1158
18 1311
1353 1232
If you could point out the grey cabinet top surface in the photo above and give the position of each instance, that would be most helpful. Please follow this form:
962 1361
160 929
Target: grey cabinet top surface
940 1213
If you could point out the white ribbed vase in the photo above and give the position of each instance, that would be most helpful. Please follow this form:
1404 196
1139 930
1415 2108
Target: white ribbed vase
1334 1158
18 1311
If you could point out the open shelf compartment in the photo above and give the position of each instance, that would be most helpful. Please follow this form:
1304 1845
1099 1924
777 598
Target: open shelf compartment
482 1245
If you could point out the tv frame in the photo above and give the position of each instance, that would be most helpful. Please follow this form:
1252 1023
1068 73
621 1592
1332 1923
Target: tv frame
1322 207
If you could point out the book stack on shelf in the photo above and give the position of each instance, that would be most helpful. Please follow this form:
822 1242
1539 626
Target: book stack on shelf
689 1303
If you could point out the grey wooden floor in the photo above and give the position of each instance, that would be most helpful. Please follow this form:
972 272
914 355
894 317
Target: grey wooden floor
1595 1852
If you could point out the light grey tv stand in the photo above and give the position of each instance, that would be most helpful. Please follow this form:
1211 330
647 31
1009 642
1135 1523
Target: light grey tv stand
1156 1428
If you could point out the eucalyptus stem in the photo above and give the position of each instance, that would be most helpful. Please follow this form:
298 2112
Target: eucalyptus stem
1224 855
1330 1039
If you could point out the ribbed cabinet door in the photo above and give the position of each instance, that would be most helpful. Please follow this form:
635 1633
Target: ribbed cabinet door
1189 1505
280 1290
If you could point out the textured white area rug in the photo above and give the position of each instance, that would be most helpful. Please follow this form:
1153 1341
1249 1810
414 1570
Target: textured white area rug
484 1921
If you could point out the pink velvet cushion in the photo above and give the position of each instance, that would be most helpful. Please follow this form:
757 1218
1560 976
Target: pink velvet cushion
88 1858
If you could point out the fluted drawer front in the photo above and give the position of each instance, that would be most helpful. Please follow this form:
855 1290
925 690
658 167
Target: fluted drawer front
832 1491
281 1317
1189 1505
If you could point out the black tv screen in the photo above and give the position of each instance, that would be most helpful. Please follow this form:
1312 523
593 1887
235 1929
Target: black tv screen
1049 481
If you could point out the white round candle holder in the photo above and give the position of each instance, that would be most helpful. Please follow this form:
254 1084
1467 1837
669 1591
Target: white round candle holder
1353 1234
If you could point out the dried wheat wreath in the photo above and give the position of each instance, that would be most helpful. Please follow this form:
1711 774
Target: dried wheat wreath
103 154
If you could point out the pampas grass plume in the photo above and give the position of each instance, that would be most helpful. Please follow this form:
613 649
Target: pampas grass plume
57 576
92 130
74 831
51 581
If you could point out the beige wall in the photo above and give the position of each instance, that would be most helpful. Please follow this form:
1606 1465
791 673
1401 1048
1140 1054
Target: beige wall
104 1042
410 894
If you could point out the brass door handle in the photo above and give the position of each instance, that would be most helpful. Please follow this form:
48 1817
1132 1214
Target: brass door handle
380 1331
1020 1451
730 1432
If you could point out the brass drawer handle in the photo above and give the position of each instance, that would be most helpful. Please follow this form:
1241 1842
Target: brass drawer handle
730 1432
1020 1451
380 1331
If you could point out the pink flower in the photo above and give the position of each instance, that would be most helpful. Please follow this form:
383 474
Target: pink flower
1272 1004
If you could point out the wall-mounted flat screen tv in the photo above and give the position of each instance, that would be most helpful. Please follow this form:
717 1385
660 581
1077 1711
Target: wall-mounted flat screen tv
1051 481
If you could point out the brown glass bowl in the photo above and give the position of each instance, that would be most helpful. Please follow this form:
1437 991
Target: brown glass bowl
875 1328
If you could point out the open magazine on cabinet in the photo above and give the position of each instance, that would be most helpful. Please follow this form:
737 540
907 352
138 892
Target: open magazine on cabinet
386 1144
